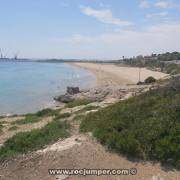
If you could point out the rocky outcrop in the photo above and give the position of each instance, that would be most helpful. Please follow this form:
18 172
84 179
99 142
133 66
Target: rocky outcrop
73 90
68 97
64 98
100 93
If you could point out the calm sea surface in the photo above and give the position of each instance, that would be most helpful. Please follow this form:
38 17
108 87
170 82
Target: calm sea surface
29 86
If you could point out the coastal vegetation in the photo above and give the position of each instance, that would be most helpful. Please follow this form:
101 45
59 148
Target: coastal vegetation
47 112
2 122
145 126
13 128
150 80
79 117
168 56
61 116
30 118
167 62
87 108
36 117
1 126
78 102
25 142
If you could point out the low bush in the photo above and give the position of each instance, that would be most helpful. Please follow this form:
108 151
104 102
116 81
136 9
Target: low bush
25 142
78 102
30 118
145 126
3 122
47 112
150 80
61 116
140 83
33 118
13 128
172 68
79 117
1 127
87 108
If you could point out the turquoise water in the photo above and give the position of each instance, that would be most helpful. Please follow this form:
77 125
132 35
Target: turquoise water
29 86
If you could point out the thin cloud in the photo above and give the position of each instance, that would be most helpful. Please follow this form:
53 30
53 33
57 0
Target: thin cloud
159 38
144 4
162 4
104 16
161 14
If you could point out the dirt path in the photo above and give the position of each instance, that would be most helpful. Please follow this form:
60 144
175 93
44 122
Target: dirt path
85 153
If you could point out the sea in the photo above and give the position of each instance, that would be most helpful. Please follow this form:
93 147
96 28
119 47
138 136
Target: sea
27 87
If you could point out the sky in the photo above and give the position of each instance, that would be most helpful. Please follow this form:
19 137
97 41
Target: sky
88 29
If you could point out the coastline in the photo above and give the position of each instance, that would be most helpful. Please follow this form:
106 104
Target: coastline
107 76
40 83
113 82
111 74
78 147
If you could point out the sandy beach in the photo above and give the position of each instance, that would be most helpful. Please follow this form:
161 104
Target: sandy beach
116 75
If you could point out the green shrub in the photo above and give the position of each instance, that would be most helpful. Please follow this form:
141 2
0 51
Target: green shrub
30 118
61 116
78 102
140 83
36 117
3 122
172 68
160 63
150 80
145 126
13 128
1 127
25 142
87 108
78 117
47 112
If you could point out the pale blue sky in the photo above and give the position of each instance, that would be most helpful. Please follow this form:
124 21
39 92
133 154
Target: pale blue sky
102 29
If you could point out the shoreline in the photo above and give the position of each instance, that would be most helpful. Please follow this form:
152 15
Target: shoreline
107 76
111 74
78 148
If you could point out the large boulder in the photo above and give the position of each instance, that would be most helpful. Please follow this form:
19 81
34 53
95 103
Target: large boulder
64 98
73 90
68 97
